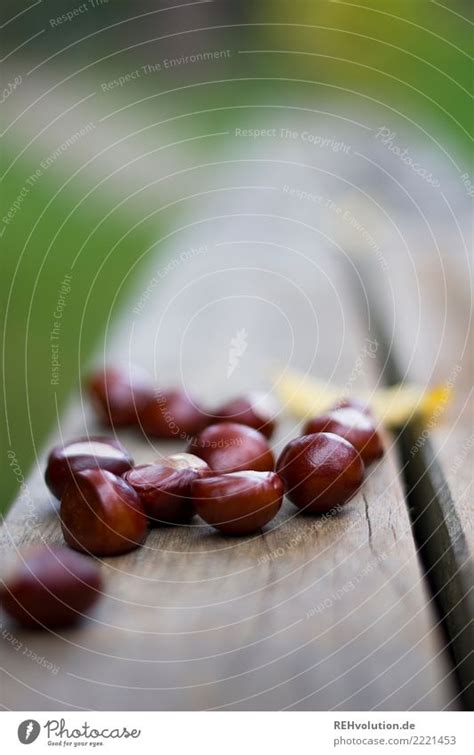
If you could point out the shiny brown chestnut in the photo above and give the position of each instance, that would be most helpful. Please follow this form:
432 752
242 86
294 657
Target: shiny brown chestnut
164 487
94 452
51 587
230 447
172 414
320 471
120 395
354 426
256 410
101 514
238 503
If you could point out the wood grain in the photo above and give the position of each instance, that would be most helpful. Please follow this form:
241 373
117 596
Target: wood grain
315 613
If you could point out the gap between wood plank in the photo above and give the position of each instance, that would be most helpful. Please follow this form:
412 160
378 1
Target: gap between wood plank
437 528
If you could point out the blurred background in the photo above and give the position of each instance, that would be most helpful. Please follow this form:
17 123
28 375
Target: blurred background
94 93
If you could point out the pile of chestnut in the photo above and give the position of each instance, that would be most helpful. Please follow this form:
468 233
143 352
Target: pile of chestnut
227 476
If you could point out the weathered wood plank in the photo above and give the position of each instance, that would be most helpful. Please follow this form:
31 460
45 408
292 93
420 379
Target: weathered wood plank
328 613
453 437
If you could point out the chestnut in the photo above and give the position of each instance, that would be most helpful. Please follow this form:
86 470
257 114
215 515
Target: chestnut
320 471
101 514
94 452
230 447
238 503
164 487
52 587
351 424
171 414
256 410
119 395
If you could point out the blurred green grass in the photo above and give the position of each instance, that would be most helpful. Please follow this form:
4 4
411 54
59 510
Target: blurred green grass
410 55
33 273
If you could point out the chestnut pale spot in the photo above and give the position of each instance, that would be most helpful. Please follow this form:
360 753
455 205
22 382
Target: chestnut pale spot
164 488
92 448
352 418
256 409
183 461
92 452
